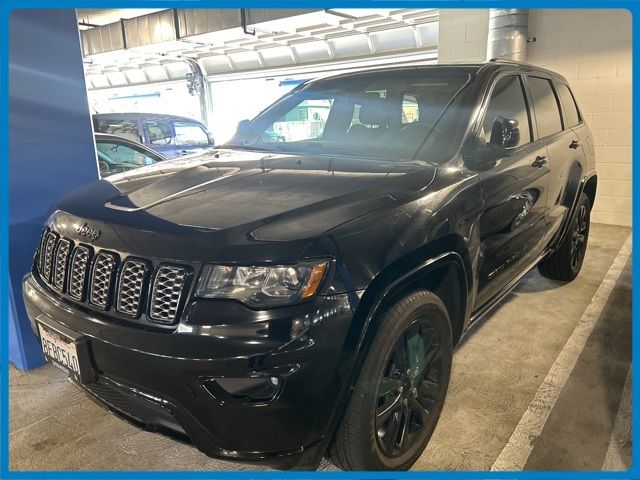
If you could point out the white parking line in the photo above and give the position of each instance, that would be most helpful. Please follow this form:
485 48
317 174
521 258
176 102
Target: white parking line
619 452
516 452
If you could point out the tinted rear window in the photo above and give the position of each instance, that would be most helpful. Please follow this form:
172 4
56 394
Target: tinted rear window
545 106
568 105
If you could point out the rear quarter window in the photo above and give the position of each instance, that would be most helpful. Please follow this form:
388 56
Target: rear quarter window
571 114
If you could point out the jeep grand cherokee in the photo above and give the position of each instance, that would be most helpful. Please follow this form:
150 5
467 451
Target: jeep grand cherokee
281 300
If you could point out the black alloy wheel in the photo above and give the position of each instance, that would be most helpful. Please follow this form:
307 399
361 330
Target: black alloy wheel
566 261
409 389
579 238
397 398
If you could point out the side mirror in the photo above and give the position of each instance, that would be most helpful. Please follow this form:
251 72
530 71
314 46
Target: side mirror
211 140
505 132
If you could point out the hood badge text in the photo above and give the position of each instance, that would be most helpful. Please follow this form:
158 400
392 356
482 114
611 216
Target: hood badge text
86 231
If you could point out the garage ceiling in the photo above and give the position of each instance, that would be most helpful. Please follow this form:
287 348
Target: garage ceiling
101 16
225 41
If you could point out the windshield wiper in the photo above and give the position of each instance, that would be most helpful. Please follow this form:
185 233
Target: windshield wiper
252 147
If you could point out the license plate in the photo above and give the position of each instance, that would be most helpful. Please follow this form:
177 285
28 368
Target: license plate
62 351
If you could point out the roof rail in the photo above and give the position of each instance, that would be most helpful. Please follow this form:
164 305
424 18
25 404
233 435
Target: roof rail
512 62
503 60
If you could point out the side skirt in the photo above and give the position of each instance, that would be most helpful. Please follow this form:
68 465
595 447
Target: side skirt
490 304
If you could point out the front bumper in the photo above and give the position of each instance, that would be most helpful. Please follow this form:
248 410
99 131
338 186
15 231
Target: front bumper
161 381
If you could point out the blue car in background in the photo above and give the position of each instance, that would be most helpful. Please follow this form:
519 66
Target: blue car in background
170 135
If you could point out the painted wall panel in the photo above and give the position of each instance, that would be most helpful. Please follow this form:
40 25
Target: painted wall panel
51 148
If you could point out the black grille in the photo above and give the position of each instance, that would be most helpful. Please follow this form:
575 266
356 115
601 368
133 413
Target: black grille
130 287
43 240
166 293
78 272
74 270
60 265
101 278
49 249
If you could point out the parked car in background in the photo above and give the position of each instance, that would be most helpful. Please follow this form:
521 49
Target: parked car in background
119 154
170 135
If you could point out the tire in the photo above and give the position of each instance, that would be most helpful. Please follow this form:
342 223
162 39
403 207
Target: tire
565 263
373 426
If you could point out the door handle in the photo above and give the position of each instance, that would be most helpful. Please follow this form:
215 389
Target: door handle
574 144
184 152
540 161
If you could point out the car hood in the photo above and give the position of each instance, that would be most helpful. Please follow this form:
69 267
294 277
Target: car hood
249 196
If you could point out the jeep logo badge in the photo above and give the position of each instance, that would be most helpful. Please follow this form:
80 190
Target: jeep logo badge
91 233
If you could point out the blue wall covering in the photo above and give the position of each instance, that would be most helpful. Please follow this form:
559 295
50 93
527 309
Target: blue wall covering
51 148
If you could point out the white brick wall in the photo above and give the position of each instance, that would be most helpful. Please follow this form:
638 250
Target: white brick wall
592 48
463 35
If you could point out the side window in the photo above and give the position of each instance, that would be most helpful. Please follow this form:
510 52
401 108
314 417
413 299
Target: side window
410 109
190 134
305 121
568 105
159 133
122 128
507 105
545 106
360 99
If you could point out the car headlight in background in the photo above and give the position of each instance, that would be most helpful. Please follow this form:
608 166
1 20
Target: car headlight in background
262 286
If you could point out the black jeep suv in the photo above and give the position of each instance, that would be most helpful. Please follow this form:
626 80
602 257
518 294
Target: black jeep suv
281 300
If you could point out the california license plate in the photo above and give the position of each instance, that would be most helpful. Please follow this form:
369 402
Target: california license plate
62 351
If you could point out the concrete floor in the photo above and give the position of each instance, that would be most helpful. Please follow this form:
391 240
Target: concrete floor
497 370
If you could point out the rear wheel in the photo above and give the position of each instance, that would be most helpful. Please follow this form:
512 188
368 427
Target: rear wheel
398 397
566 262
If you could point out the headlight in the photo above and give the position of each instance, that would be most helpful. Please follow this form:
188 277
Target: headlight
262 286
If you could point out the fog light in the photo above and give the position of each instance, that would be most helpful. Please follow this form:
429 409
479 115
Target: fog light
247 390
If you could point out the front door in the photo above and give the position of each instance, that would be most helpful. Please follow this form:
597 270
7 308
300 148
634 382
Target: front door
513 225
191 138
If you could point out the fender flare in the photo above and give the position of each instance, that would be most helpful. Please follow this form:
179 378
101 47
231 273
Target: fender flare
555 244
381 299
411 275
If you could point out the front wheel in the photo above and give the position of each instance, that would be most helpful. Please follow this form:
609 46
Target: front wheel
399 394
565 263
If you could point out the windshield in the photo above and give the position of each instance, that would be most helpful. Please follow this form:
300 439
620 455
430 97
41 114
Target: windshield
387 115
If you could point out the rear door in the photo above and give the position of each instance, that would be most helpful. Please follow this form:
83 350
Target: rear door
563 145
513 225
